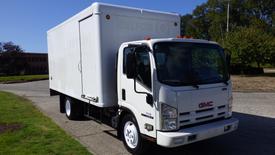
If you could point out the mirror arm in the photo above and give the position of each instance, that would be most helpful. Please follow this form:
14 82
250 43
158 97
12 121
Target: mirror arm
135 88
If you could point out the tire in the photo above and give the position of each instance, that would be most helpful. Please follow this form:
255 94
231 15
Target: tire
61 103
73 110
131 136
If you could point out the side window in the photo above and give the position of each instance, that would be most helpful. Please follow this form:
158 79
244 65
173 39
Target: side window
143 68
125 52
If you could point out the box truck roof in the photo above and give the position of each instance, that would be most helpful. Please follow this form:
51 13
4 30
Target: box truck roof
99 8
115 7
153 41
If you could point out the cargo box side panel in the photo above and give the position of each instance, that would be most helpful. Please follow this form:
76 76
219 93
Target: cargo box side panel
126 25
90 60
64 59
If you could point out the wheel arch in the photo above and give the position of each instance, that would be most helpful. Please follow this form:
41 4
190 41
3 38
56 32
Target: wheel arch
123 112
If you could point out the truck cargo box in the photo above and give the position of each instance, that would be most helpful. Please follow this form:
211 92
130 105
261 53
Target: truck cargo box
82 50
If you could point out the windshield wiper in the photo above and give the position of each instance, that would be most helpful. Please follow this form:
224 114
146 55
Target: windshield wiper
179 83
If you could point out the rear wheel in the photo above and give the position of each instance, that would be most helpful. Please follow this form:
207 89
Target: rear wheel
73 110
131 136
62 103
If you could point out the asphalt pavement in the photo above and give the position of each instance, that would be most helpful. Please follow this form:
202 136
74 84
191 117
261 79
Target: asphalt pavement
256 133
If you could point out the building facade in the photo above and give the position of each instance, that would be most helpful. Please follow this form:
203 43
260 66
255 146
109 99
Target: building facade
19 63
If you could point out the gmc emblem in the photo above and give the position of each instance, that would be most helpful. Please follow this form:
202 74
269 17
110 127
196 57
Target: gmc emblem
206 104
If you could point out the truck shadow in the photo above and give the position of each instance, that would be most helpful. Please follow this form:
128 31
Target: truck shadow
256 135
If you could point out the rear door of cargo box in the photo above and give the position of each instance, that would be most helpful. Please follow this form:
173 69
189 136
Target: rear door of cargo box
89 59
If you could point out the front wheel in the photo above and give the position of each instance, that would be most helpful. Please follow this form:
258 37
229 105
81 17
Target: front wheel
131 136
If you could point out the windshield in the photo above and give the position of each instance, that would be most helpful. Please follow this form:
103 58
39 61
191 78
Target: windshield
181 63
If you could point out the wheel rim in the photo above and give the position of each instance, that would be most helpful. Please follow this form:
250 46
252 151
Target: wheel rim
68 107
131 134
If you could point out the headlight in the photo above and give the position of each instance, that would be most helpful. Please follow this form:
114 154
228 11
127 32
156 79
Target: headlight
169 117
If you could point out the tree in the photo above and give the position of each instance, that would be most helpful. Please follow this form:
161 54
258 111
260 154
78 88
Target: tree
11 60
1 47
208 20
185 22
199 24
9 47
251 28
250 45
272 53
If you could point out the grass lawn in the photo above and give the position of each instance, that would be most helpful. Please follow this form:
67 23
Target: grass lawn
256 83
22 78
25 130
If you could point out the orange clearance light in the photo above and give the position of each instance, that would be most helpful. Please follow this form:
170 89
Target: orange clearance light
147 38
184 37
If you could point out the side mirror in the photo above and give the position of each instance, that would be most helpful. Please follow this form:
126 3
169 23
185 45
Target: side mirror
131 65
149 99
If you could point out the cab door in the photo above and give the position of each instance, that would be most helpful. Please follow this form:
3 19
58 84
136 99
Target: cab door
133 93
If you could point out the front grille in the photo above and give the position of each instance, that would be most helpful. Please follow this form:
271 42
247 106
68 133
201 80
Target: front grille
184 113
202 123
222 106
199 111
204 117
192 117
184 121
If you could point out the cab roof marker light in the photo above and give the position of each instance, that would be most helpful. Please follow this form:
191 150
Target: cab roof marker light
147 38
184 37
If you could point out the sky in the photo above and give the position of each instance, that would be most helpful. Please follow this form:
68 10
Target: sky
25 22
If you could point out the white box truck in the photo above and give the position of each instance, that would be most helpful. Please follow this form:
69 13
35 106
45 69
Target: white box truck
125 67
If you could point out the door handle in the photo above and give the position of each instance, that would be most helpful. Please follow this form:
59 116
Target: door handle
79 67
123 95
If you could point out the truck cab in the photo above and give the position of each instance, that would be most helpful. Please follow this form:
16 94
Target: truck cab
173 91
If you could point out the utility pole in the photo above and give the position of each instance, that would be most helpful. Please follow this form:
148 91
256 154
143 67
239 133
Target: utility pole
227 23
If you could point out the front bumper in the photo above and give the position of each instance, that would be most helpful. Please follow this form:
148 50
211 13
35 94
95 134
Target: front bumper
197 133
